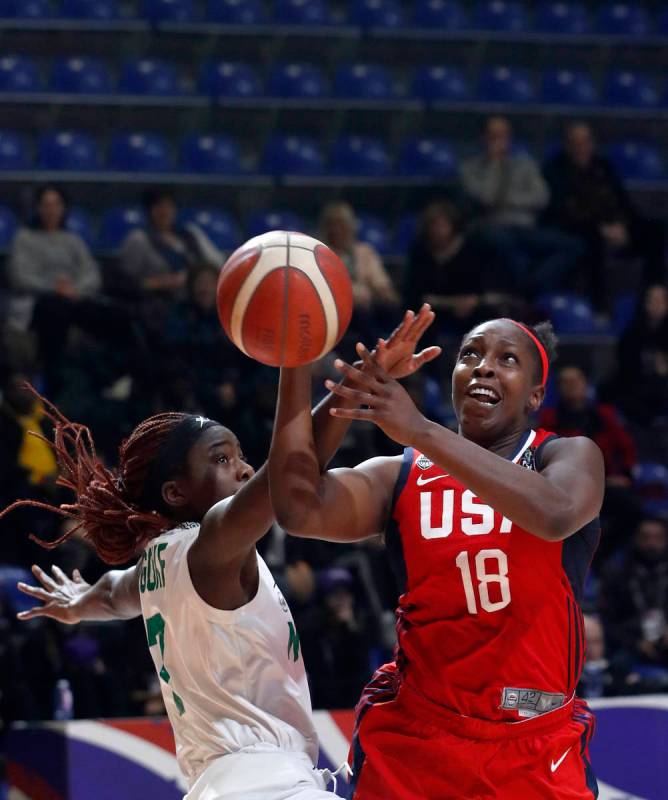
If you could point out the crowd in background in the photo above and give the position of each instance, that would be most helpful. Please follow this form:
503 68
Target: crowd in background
112 349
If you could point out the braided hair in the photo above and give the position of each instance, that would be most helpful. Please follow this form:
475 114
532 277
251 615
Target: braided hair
108 506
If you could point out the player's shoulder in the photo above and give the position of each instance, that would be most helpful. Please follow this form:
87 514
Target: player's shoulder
385 468
579 450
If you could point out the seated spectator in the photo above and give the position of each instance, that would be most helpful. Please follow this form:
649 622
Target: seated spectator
455 272
511 192
597 679
373 291
589 200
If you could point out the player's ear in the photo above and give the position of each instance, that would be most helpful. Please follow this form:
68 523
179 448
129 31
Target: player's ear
536 398
173 494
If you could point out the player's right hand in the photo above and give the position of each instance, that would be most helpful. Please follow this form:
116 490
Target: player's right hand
59 595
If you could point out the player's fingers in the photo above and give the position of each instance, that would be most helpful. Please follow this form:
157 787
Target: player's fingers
370 364
423 321
361 398
77 577
426 355
358 377
46 580
399 332
38 611
58 574
364 414
34 591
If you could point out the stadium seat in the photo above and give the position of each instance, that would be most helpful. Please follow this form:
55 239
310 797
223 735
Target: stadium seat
236 12
211 154
296 80
219 226
624 19
569 313
427 157
170 10
78 221
501 15
373 230
650 481
13 152
149 76
570 87
359 155
100 10
302 12
638 160
405 233
441 83
67 150
263 221
117 223
26 9
377 14
292 155
363 82
628 88
230 79
563 18
502 84
80 75
139 152
8 226
19 74
445 15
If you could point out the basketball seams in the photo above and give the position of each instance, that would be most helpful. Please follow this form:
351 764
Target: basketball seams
286 299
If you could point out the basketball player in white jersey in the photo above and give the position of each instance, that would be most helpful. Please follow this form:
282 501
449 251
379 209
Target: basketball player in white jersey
221 634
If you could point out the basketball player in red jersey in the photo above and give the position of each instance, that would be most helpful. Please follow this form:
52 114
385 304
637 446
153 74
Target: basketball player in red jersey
492 531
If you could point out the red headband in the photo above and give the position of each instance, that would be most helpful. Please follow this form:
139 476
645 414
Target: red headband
541 349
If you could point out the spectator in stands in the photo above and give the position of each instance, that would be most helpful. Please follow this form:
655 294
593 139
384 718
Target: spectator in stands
597 679
511 193
374 294
589 200
634 597
449 268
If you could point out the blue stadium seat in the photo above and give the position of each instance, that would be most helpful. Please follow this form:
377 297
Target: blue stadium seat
441 83
13 151
501 15
359 155
445 15
262 221
26 9
8 226
19 74
292 155
218 225
236 12
571 87
81 75
569 313
302 12
627 88
78 221
624 19
364 82
650 480
100 10
170 10
427 157
373 230
211 154
638 160
296 80
117 223
377 14
502 84
67 150
230 79
405 233
555 16
149 76
139 152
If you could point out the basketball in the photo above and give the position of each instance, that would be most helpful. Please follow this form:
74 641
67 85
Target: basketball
284 298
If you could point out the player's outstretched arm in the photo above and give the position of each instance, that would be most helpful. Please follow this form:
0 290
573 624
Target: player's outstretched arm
72 600
552 504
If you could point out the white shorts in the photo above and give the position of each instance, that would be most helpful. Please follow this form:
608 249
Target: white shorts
260 776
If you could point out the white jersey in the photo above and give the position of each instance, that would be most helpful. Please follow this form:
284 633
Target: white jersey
232 681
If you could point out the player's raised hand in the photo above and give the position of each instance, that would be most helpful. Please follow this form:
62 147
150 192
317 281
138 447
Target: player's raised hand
376 397
59 595
396 354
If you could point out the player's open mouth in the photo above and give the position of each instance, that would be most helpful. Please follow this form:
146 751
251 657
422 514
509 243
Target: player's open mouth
484 395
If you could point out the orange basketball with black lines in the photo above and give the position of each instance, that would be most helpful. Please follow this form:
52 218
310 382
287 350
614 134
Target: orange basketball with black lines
284 298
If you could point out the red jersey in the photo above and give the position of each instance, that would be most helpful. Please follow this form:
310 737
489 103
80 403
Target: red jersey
489 624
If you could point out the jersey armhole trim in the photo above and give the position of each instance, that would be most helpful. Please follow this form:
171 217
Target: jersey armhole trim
539 450
404 472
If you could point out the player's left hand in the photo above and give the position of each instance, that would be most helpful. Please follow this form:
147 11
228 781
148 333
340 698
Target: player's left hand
396 354
377 398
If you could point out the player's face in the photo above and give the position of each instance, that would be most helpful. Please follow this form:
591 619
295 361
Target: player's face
494 386
216 468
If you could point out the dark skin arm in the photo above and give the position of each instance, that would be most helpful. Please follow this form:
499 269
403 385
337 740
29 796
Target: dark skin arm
552 504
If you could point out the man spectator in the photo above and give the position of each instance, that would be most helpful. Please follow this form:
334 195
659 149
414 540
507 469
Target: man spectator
589 200
511 193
